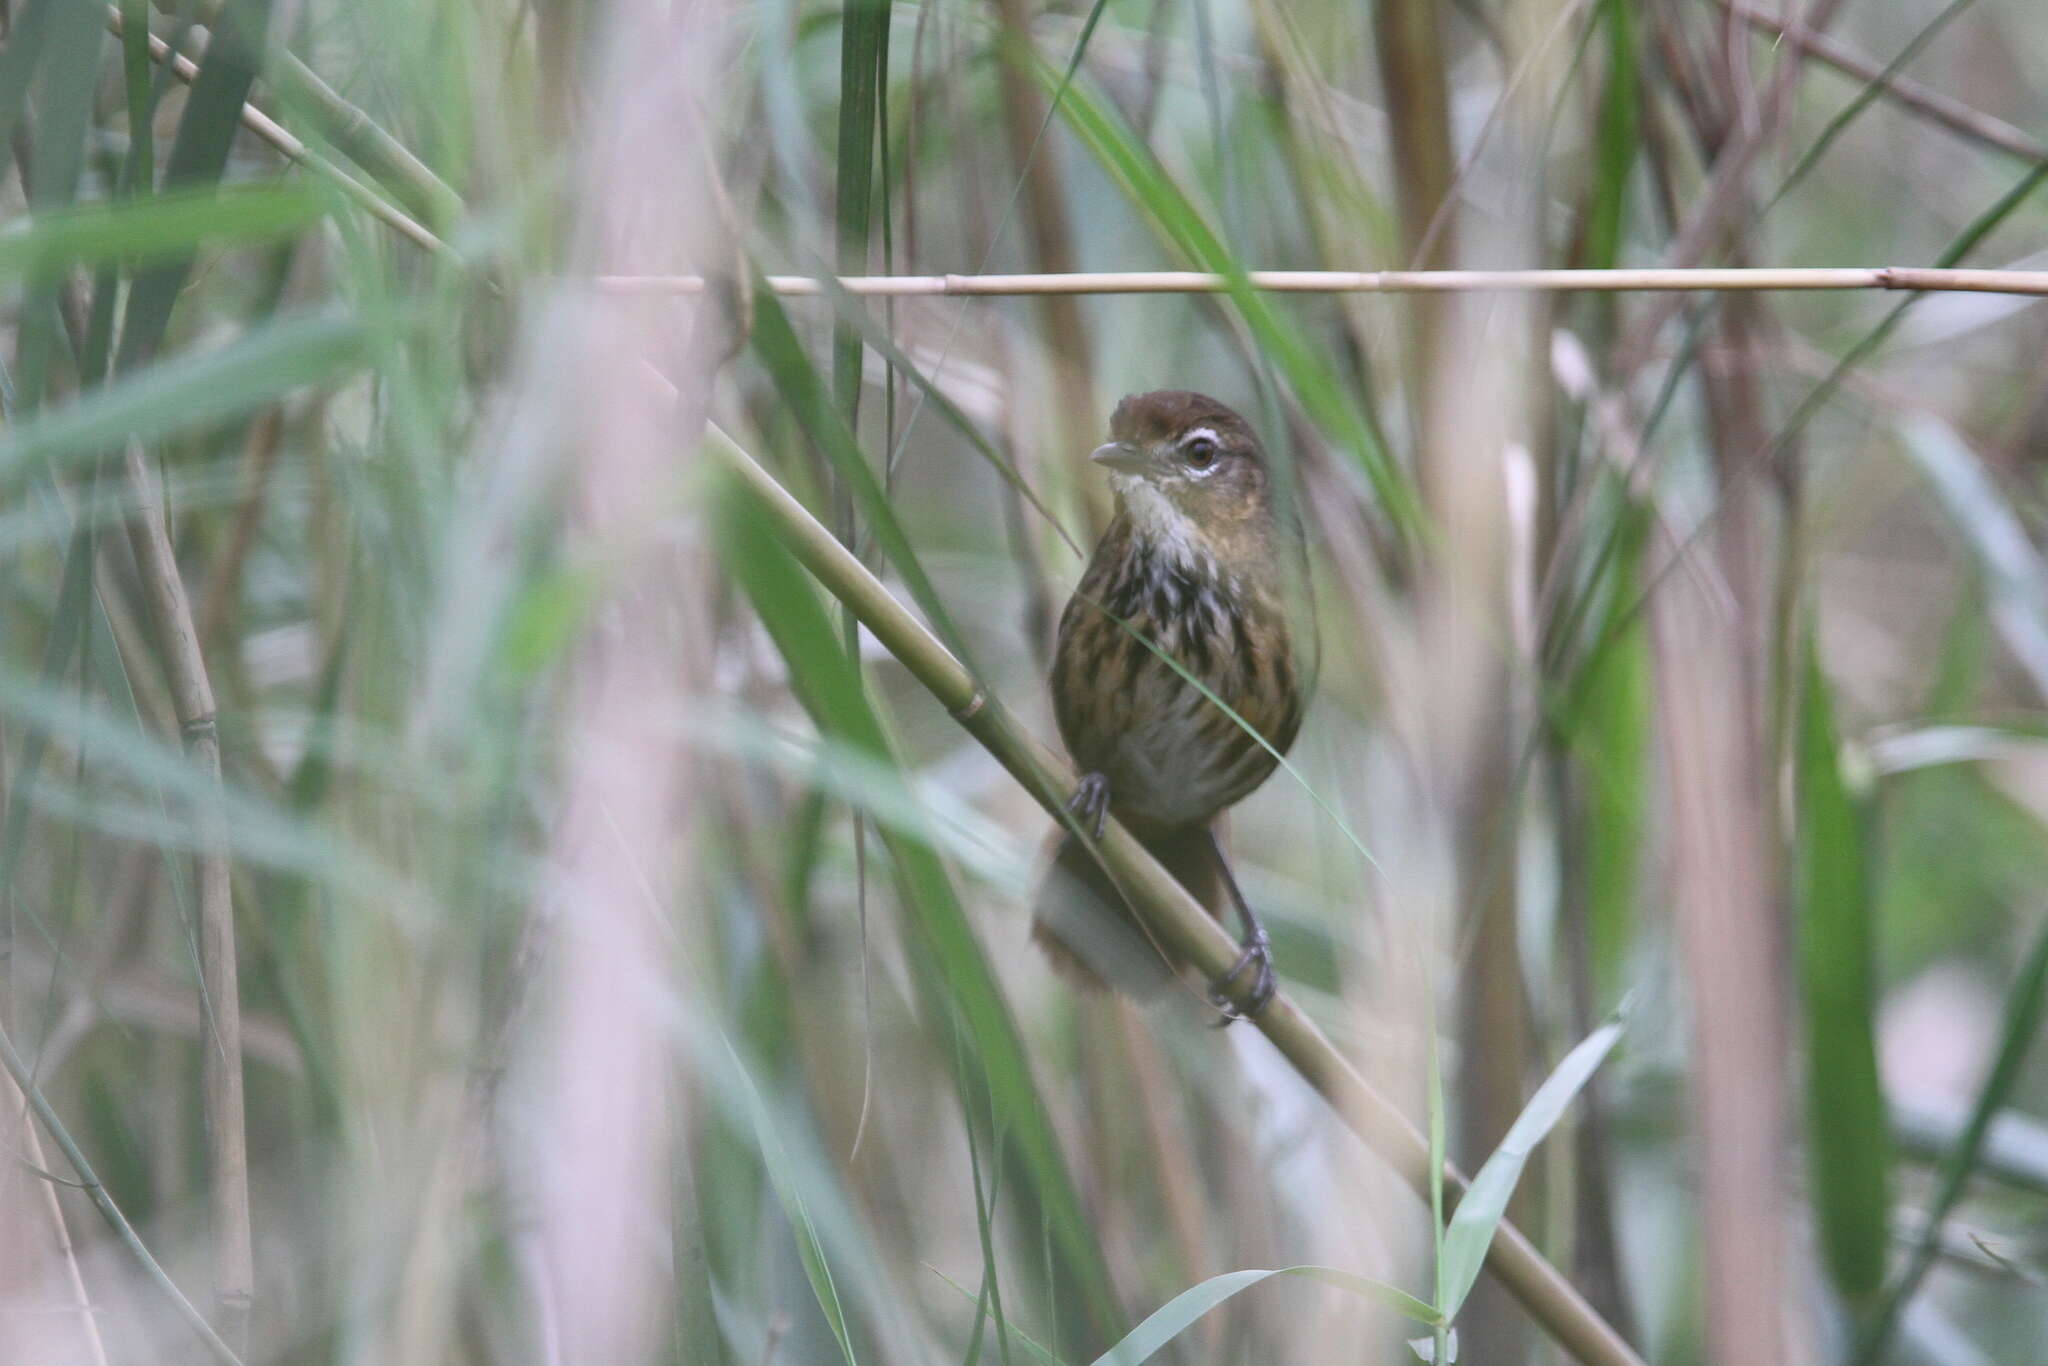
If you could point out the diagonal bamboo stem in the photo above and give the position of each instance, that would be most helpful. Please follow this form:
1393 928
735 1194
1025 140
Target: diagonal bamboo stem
1657 280
296 151
1170 913
220 1051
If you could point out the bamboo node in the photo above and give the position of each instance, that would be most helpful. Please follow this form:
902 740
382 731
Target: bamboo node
199 728
974 704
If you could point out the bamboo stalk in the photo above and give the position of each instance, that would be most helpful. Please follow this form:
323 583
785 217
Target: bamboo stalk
220 1052
1653 280
1174 917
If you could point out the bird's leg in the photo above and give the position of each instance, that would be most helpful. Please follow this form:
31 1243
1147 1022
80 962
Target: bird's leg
1090 803
1256 958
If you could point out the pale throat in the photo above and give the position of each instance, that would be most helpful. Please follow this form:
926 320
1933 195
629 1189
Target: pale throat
1170 532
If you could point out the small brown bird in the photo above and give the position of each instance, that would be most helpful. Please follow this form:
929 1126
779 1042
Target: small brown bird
1198 561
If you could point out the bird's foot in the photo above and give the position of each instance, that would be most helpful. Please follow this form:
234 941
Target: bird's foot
1090 803
1257 959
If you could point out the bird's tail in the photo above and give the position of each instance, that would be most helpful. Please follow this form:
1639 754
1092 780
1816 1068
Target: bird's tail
1091 934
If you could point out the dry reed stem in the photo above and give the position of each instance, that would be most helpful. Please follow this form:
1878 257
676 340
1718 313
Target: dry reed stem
1173 917
220 1051
1653 280
293 150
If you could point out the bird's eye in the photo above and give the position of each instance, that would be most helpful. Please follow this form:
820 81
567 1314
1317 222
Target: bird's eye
1200 453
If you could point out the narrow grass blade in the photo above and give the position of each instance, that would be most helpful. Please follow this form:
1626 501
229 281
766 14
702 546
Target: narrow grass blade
157 229
809 1250
189 391
863 62
2014 571
1848 1133
1616 137
1486 1201
1174 1317
1864 98
2023 1010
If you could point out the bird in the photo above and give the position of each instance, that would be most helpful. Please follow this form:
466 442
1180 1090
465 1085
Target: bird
1202 564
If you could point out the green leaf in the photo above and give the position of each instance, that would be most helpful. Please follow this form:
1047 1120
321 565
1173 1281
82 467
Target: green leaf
863 65
157 229
1174 1317
1470 1235
1848 1135
199 157
1615 138
192 390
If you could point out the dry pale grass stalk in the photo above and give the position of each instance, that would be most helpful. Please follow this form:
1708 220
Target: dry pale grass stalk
1174 918
45 1313
1722 896
601 1148
1648 280
220 1052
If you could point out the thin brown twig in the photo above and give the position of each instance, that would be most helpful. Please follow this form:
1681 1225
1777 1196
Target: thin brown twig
220 1053
1644 280
224 584
1945 110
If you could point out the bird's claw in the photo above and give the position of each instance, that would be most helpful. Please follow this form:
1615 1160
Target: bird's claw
1090 803
1257 958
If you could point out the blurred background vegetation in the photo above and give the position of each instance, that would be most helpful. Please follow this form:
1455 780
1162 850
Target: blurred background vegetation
467 895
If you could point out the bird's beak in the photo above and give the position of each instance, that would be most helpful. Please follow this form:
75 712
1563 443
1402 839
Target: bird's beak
1120 456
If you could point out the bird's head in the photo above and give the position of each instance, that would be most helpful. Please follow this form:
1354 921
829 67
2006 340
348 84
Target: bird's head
1190 473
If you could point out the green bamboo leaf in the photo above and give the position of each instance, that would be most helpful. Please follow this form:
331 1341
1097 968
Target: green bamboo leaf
1174 1317
1848 1135
199 157
863 67
156 229
190 391
1615 137
1472 1225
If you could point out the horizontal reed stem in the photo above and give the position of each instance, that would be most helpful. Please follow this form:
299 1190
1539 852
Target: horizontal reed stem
1383 281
